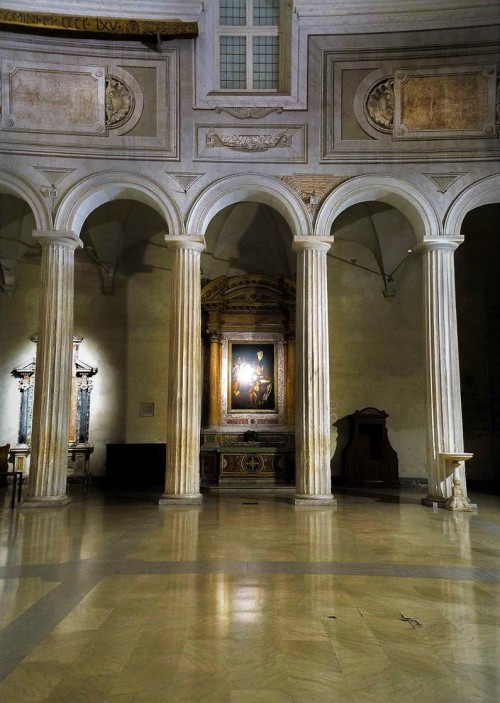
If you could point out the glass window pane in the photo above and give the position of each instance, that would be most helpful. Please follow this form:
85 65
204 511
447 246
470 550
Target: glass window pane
233 63
266 63
266 12
233 13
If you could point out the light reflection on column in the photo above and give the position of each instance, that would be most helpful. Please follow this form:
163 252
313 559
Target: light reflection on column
181 525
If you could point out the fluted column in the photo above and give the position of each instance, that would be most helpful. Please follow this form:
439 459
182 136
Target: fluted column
312 411
182 480
54 355
444 407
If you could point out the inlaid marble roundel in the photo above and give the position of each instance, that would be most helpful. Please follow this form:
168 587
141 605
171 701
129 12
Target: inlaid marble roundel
119 101
379 105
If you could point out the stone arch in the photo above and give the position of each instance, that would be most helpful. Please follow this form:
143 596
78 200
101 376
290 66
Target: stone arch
483 192
262 189
402 195
13 184
102 188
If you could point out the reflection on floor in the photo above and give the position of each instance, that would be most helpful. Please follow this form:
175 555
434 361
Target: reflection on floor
250 599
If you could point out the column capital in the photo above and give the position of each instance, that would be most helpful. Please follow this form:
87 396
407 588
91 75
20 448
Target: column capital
443 243
312 242
53 236
186 241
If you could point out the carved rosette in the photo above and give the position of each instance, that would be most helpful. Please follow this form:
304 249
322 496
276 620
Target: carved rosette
119 102
379 105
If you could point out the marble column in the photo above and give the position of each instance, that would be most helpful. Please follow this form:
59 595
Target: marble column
312 410
54 357
182 480
444 407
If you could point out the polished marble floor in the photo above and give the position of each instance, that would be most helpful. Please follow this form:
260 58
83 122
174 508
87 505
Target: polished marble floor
250 599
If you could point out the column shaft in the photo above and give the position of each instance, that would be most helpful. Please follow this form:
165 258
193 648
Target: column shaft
444 408
51 404
214 381
312 413
182 482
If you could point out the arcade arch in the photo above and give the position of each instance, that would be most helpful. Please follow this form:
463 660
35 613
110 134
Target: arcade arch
402 195
260 189
105 187
478 318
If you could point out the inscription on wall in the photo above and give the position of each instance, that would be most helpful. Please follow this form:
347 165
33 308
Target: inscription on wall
41 97
446 102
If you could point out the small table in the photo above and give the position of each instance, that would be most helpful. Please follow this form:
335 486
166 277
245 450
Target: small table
17 483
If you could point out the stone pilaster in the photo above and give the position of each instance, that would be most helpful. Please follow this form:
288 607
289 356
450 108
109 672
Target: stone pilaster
182 481
54 355
444 407
214 380
312 410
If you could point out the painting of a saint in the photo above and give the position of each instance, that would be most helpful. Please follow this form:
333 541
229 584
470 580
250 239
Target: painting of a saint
252 377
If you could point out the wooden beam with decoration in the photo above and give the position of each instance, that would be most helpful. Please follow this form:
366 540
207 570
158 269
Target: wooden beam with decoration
98 25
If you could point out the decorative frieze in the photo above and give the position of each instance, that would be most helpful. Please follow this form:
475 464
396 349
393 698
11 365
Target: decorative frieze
276 143
245 142
245 113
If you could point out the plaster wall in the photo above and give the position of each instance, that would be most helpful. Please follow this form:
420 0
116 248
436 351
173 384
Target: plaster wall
377 354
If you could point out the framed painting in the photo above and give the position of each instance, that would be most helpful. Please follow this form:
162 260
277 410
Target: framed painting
252 377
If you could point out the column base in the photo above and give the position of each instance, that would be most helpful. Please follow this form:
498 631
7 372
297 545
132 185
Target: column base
460 503
431 501
46 501
181 499
447 503
300 499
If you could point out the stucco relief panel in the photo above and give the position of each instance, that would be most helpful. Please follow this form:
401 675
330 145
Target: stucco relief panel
262 143
70 108
408 108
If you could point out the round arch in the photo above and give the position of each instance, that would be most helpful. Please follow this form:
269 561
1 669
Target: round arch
402 195
102 188
261 189
483 192
13 184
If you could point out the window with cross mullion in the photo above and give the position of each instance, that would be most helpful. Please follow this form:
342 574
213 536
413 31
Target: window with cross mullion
249 45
